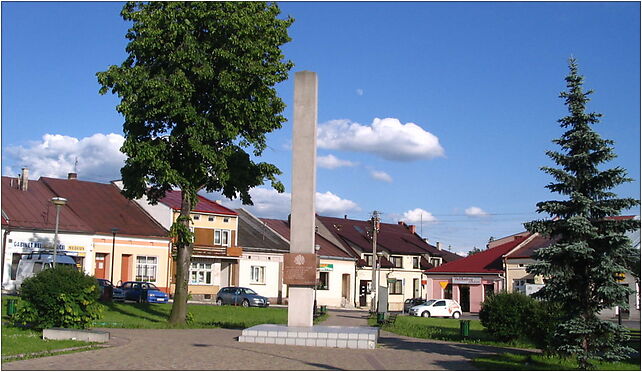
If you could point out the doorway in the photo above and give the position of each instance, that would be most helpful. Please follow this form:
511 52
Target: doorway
100 265
363 292
126 267
464 298
345 287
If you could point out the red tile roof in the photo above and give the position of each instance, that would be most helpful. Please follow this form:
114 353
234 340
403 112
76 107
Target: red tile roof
32 209
326 248
395 238
173 200
103 207
484 262
91 208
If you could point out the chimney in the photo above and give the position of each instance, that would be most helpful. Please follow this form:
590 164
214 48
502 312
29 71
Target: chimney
438 245
345 216
72 176
24 179
289 219
412 228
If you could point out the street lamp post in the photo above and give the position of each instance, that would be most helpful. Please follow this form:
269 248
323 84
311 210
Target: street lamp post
379 255
58 202
114 230
375 230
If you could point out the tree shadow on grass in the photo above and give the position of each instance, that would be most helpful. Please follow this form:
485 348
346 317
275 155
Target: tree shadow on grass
146 308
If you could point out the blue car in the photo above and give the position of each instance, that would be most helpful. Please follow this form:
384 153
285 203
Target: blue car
140 292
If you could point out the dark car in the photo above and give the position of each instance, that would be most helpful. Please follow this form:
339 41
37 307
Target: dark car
140 292
106 290
241 296
412 302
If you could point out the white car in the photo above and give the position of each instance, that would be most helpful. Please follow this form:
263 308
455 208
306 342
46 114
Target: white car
439 307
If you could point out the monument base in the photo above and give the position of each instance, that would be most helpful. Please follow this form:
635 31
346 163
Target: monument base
323 336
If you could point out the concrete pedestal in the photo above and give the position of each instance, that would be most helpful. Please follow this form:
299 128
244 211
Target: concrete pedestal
320 336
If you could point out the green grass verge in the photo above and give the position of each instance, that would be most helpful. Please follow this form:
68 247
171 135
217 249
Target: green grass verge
16 341
446 329
516 362
131 315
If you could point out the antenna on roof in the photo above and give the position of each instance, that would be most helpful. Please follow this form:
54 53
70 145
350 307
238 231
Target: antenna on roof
76 165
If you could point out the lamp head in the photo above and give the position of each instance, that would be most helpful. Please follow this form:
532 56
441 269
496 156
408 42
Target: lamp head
56 200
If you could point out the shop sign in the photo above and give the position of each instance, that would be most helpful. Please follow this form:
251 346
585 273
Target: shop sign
326 267
392 280
37 245
466 280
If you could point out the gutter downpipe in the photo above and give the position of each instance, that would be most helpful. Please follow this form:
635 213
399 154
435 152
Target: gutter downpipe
4 250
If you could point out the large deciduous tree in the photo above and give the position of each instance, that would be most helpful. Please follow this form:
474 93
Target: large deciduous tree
197 94
581 269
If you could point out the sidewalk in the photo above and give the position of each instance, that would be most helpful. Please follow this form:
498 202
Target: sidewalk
216 349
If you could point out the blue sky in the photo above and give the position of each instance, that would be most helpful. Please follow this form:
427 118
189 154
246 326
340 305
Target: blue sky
433 112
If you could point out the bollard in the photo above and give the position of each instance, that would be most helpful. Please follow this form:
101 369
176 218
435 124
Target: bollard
464 328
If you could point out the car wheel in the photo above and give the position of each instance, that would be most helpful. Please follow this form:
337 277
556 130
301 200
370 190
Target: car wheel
245 303
425 314
456 315
219 301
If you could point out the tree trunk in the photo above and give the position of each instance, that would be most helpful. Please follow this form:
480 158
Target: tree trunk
183 258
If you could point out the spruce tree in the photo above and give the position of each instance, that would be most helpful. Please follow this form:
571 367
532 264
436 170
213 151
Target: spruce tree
582 267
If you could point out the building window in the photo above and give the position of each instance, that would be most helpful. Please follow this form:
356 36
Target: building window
14 265
395 287
222 237
210 218
397 261
146 268
435 261
226 219
258 275
324 281
196 217
200 272
368 259
415 262
448 291
489 290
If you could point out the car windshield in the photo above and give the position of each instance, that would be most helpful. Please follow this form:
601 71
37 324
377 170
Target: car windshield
429 302
151 286
247 291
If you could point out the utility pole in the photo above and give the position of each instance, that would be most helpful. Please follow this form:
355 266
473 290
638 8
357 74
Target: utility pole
375 262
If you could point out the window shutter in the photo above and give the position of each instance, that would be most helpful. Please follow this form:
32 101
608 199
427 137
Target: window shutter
203 236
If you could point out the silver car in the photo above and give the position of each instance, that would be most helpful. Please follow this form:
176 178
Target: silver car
241 296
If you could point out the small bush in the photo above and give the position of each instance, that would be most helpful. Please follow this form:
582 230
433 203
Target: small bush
541 321
504 315
59 297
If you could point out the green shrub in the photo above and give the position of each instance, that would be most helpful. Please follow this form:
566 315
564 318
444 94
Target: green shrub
504 315
59 297
541 321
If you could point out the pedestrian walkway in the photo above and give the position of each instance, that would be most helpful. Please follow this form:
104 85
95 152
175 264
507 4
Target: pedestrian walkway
218 349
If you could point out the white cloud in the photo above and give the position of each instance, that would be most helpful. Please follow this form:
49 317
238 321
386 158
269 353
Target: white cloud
270 204
475 212
387 138
331 162
418 215
381 176
359 92
99 157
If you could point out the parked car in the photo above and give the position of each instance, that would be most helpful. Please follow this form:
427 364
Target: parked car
140 292
36 261
241 296
106 290
412 302
438 307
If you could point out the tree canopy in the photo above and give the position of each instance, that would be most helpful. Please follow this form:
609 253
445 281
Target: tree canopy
582 267
198 98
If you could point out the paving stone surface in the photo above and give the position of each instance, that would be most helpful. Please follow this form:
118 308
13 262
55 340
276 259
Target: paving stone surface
218 349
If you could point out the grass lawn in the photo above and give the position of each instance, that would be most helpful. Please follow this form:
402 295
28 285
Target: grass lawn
132 315
16 341
446 329
514 362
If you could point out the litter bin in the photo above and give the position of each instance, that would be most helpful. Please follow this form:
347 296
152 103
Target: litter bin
11 306
324 309
381 317
464 328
